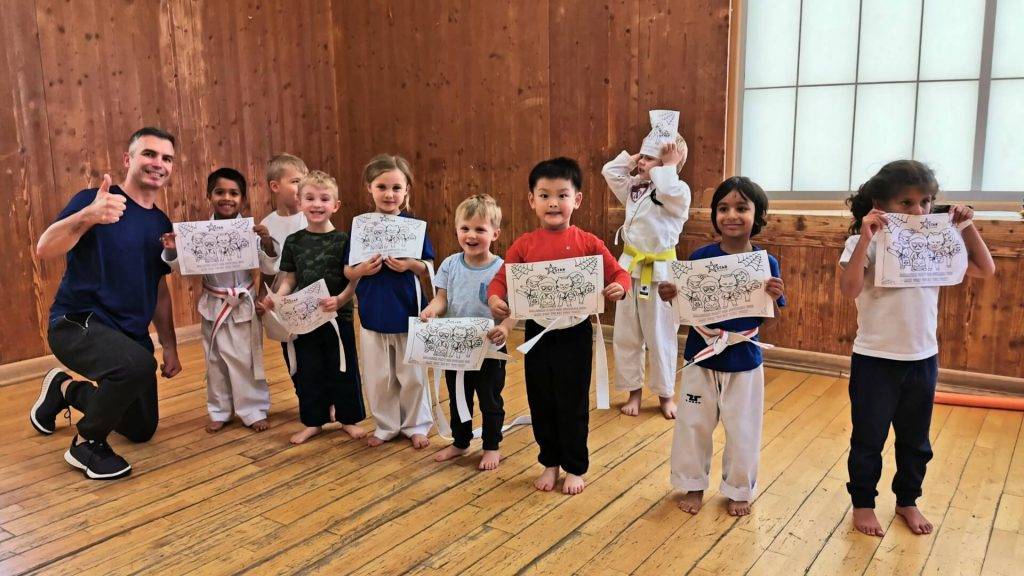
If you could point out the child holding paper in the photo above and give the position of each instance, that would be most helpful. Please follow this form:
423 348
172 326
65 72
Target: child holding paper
894 367
728 384
558 366
326 393
461 291
389 293
657 205
232 335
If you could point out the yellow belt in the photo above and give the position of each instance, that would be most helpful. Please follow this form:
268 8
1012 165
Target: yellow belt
645 261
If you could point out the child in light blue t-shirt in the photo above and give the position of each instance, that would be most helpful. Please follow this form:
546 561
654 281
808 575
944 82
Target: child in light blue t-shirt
461 291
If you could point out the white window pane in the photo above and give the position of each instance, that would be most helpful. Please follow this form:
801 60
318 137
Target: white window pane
770 43
951 45
1008 51
767 144
824 127
889 40
828 42
1004 137
884 128
945 131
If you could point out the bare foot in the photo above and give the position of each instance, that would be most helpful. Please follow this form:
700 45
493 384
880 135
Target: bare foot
354 430
691 502
738 507
916 521
490 460
668 407
632 406
546 481
214 426
573 484
260 425
419 441
373 441
305 434
449 453
865 521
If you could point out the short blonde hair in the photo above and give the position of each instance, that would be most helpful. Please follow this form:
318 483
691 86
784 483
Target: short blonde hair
277 165
382 163
322 180
482 205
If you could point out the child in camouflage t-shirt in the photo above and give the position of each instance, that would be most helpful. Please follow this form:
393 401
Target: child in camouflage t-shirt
326 393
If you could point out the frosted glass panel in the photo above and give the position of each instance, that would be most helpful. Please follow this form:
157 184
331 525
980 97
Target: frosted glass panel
828 45
889 40
884 128
951 45
1004 138
767 144
1008 51
824 124
945 131
771 35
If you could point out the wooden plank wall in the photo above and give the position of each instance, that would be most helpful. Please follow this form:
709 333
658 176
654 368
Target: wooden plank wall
475 93
234 81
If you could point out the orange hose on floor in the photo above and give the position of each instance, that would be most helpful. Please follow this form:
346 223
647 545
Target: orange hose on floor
997 402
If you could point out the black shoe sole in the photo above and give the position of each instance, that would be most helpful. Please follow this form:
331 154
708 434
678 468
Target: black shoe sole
70 459
47 380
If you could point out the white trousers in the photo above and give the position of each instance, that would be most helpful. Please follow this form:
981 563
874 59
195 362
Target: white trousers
397 391
704 395
645 325
230 386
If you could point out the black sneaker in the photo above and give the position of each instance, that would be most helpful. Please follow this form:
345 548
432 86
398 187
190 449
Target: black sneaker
43 415
97 459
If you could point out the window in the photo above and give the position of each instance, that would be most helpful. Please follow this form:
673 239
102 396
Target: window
833 89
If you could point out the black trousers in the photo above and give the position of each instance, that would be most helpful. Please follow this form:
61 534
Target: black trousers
318 382
558 390
487 384
884 392
122 366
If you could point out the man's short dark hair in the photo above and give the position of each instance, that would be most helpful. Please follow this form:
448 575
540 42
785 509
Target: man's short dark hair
151 131
227 174
557 168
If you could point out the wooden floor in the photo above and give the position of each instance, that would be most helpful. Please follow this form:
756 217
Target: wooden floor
239 501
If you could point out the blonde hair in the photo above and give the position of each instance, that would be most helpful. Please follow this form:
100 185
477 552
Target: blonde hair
382 163
482 205
277 165
322 180
681 144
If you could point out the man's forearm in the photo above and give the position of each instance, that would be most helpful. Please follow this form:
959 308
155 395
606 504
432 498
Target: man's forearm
62 235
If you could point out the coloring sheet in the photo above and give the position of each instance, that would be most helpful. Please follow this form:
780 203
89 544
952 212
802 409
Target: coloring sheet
300 312
569 287
920 251
448 343
664 126
386 235
718 289
213 246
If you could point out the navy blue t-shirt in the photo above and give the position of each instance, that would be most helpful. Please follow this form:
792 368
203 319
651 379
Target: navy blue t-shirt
114 270
741 356
388 298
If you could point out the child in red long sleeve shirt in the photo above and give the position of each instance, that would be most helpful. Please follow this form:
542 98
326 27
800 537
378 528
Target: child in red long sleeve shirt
558 367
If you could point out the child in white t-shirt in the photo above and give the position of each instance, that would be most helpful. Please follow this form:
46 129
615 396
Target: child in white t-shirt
894 367
284 172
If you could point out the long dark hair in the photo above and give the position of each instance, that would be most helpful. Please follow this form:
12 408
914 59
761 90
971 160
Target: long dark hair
884 186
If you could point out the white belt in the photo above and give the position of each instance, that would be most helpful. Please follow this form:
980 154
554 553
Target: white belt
444 429
718 340
290 350
600 354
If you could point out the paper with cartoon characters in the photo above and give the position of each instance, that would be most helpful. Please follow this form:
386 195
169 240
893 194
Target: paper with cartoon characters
213 246
300 312
920 251
386 235
569 287
448 343
722 288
